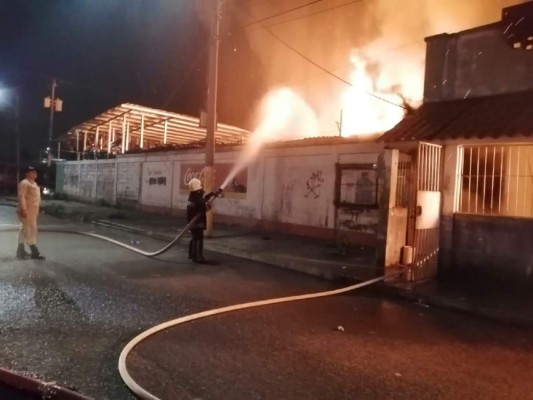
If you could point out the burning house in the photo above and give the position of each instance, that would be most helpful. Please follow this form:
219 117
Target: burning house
448 189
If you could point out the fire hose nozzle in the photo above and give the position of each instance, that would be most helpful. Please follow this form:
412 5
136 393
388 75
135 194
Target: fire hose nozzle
218 193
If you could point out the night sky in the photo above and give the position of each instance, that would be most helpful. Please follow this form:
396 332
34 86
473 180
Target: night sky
154 53
102 53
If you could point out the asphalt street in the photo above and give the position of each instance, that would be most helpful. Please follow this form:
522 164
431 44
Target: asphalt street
67 319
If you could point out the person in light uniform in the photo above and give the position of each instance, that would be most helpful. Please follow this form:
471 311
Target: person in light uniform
29 201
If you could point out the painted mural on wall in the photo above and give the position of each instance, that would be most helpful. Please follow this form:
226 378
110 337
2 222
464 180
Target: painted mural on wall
237 188
87 181
128 179
157 183
105 185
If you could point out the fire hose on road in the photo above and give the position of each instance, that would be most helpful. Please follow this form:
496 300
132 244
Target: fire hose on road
126 377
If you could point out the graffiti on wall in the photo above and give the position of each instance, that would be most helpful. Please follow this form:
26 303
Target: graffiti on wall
313 185
156 188
237 188
160 180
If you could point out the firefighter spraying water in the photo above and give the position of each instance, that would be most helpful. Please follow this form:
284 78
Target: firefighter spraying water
197 206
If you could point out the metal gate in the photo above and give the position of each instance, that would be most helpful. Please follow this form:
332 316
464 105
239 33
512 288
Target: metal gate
424 212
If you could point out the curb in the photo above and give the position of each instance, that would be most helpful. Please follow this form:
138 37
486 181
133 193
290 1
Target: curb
35 388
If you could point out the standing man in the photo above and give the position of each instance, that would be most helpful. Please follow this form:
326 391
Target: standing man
29 200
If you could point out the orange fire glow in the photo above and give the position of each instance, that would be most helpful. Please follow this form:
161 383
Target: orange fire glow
363 113
376 101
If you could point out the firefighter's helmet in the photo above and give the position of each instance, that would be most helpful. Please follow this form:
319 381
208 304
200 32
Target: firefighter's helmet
195 184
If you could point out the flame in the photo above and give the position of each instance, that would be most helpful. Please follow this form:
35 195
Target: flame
375 102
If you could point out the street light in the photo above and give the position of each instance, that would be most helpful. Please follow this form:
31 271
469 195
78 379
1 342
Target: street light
4 99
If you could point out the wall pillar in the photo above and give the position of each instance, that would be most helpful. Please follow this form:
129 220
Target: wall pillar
390 237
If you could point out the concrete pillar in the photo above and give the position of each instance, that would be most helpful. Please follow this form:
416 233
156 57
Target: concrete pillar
109 128
124 138
141 143
392 227
96 140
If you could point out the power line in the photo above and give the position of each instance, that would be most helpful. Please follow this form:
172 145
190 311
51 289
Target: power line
376 57
280 14
329 72
321 67
315 13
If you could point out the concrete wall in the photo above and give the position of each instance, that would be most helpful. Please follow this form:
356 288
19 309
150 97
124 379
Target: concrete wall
493 248
473 63
290 189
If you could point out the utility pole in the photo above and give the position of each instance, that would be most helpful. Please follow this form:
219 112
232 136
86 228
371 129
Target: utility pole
17 134
339 125
212 109
54 105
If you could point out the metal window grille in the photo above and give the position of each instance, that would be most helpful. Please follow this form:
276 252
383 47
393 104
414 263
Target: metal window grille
496 180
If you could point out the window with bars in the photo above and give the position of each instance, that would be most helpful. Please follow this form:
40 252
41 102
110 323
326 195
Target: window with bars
496 180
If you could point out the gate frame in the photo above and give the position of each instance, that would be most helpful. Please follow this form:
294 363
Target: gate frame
426 177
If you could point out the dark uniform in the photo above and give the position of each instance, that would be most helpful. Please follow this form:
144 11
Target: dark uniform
197 206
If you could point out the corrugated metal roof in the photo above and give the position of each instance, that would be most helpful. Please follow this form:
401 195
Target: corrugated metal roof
158 126
508 115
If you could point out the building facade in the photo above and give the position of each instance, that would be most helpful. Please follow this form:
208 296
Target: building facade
478 107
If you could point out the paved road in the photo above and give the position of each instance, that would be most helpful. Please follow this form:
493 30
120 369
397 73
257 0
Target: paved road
68 318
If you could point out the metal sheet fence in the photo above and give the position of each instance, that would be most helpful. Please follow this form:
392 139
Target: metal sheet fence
496 180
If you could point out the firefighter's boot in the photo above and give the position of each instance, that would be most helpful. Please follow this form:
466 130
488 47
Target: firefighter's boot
198 255
35 253
21 252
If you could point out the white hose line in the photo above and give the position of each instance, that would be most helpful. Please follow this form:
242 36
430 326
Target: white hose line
59 229
144 394
128 380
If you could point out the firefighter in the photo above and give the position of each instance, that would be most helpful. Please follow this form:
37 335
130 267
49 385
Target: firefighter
197 204
29 200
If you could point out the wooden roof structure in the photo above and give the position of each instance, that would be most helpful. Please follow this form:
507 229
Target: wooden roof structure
130 126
